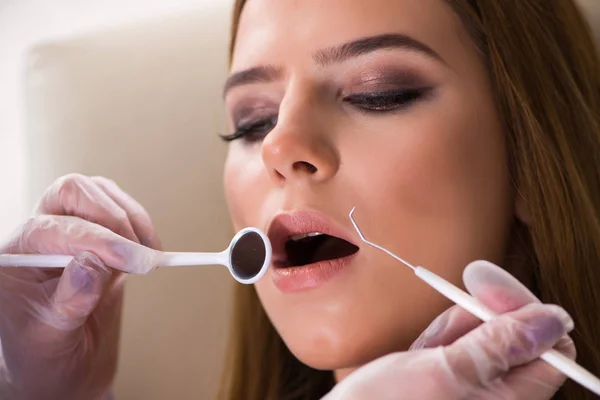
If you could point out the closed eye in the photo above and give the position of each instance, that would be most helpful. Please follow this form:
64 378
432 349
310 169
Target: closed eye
380 102
252 131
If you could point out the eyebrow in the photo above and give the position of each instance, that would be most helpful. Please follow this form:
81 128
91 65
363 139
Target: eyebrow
265 73
338 54
333 55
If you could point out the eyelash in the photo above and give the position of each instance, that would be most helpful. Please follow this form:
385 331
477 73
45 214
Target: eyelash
381 102
252 131
377 103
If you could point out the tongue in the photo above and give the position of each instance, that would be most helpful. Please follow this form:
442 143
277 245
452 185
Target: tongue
317 248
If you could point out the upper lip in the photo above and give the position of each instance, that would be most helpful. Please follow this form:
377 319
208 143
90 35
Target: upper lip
288 224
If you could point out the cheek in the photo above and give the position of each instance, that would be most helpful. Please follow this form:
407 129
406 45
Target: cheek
438 187
246 185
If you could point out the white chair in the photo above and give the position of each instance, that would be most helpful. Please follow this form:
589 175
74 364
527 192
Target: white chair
142 104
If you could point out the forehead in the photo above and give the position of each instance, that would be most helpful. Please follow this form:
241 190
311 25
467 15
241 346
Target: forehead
285 31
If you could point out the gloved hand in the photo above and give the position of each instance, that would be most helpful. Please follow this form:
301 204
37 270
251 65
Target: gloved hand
458 357
59 328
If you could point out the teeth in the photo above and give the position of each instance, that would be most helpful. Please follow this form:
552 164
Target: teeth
305 235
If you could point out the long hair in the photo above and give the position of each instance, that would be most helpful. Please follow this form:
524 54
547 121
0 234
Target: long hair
545 72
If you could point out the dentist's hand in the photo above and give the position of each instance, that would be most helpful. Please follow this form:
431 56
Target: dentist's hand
59 328
458 357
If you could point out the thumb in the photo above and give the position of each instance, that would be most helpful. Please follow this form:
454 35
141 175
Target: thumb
78 292
496 288
508 341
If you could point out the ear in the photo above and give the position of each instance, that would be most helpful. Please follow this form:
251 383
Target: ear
522 208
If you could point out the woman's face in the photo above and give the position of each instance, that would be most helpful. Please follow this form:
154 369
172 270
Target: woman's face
384 105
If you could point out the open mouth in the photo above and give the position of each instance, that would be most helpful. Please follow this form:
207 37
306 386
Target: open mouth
315 247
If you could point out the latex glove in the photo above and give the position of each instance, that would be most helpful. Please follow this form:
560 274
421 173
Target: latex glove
59 328
458 357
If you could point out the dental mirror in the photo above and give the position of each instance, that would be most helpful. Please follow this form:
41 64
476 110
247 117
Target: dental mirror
247 257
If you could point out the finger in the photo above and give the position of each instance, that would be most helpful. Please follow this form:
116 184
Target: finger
446 328
496 288
508 341
54 234
79 196
77 294
539 377
138 216
492 286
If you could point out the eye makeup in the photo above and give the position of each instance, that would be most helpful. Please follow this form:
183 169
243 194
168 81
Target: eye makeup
372 91
386 101
253 130
253 120
384 76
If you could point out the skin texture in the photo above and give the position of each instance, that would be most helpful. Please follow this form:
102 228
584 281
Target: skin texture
429 179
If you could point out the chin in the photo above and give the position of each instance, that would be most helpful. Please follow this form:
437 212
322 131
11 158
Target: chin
328 359
326 351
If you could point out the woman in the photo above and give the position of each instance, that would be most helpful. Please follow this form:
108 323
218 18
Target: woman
460 130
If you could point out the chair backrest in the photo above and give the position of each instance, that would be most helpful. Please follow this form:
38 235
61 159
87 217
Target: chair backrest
141 104
591 8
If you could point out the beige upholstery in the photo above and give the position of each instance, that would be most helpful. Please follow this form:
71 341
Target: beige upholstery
142 105
592 10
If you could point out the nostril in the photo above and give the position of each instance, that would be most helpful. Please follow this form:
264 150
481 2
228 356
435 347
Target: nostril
299 165
279 175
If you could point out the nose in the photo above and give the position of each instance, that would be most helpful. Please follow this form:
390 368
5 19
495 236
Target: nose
300 148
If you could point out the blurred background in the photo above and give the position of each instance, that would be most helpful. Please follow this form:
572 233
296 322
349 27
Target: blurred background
24 23
131 89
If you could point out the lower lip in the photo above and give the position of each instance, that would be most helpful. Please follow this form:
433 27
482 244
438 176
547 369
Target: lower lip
295 279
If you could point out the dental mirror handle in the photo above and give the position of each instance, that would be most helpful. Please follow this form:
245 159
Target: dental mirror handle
478 309
180 259
172 259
